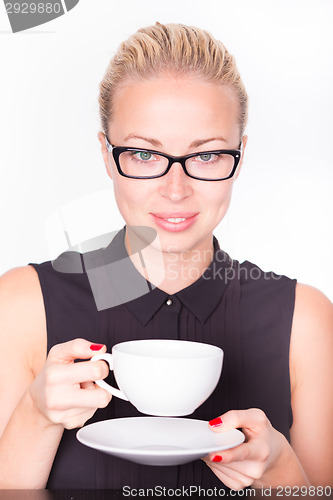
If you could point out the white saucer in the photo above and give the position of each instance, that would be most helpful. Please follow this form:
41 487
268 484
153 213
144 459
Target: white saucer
157 440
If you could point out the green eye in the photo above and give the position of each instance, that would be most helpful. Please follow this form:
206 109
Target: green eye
145 155
206 157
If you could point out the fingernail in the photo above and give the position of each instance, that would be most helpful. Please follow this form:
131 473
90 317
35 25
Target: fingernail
96 347
217 458
216 422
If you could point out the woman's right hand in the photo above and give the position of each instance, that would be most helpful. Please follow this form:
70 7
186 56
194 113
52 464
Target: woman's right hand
64 392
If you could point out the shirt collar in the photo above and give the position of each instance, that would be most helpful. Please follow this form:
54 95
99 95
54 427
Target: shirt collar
200 298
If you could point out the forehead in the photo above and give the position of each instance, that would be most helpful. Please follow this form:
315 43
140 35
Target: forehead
169 107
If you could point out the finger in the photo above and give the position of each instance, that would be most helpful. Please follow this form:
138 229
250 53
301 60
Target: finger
85 371
76 373
81 398
74 349
98 398
232 479
249 457
75 418
252 419
237 454
249 469
234 473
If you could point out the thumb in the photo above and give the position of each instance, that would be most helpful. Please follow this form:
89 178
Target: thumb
252 419
74 349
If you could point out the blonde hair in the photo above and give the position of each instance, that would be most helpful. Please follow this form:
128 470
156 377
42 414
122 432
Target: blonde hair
174 49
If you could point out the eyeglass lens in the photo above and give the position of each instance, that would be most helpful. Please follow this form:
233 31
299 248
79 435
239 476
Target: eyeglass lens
205 166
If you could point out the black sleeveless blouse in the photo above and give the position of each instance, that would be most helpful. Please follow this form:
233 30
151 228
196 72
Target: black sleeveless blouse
238 307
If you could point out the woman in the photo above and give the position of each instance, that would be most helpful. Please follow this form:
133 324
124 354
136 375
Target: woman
170 91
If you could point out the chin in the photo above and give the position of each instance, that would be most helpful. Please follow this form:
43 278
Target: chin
177 244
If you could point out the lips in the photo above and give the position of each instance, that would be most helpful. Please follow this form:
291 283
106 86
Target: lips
174 221
168 215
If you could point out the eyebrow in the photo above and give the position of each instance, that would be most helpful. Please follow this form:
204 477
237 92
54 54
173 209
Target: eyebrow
158 144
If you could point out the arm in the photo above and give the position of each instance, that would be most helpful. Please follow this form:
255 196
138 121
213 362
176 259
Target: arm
40 396
311 355
266 458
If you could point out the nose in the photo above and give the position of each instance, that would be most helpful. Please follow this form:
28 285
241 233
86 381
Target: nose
176 185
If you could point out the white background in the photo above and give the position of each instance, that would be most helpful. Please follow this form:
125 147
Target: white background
280 217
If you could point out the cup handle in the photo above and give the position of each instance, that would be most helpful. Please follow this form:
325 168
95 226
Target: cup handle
112 390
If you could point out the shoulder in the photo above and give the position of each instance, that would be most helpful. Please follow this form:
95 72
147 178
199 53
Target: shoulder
312 302
313 316
20 288
312 331
22 314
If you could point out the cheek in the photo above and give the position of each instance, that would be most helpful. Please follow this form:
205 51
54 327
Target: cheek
129 193
218 197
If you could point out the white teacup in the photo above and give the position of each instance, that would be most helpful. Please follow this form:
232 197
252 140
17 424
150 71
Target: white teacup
163 377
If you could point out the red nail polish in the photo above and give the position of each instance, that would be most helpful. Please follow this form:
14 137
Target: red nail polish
217 458
96 347
216 422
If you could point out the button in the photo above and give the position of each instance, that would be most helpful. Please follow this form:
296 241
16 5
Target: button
169 302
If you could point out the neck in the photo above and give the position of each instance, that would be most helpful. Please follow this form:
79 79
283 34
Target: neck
170 271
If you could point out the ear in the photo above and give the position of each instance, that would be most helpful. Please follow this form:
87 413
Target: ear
244 142
105 153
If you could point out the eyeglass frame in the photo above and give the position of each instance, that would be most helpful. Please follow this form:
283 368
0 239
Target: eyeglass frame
117 150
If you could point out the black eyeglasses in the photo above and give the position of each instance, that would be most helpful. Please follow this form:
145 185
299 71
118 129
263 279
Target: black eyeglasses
137 163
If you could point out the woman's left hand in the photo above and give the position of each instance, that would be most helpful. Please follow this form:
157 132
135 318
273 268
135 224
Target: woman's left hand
264 459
